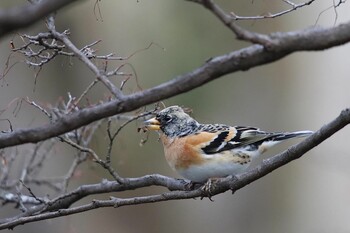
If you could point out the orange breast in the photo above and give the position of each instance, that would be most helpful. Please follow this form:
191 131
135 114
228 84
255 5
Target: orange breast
186 151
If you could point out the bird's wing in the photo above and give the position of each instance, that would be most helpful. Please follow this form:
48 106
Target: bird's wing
249 135
227 138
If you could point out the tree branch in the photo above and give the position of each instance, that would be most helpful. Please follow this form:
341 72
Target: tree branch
311 39
229 21
79 54
269 15
23 16
59 206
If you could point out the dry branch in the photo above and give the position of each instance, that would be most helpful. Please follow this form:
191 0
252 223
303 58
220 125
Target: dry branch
60 206
19 17
311 39
71 124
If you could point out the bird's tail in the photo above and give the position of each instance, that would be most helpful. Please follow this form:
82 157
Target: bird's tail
271 139
285 136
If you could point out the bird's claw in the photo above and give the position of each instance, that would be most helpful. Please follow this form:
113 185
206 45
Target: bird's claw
209 187
190 185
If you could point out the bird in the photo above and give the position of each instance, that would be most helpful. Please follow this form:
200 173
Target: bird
199 152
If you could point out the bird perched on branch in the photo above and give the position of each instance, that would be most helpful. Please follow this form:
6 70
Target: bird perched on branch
202 151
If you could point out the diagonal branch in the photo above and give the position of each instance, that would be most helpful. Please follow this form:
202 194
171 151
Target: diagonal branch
311 39
229 21
242 34
233 17
61 205
80 55
19 17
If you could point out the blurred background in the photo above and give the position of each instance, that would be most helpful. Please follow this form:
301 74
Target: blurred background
300 92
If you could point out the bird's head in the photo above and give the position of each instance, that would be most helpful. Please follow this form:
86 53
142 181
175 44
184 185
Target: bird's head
173 122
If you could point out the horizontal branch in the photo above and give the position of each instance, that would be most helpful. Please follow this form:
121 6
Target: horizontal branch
240 60
61 206
18 17
66 200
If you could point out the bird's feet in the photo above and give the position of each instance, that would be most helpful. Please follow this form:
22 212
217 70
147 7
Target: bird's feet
190 185
208 189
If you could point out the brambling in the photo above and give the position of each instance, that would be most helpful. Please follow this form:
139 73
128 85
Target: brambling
202 151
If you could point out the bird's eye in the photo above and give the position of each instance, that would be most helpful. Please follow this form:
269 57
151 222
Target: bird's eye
167 118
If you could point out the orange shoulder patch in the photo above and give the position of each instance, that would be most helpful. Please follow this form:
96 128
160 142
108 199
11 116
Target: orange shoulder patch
200 140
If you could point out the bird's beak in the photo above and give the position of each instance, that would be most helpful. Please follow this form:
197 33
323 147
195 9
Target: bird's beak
152 124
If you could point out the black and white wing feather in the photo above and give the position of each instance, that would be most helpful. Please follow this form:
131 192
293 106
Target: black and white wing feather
250 138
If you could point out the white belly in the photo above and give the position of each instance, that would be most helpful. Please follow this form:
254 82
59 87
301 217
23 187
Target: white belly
215 169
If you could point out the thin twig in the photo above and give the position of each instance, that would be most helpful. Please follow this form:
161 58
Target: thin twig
79 54
229 21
